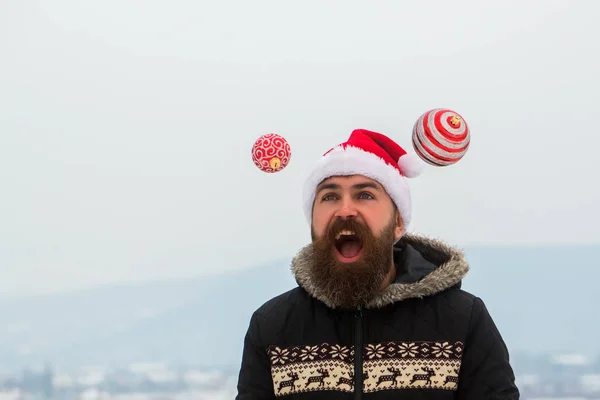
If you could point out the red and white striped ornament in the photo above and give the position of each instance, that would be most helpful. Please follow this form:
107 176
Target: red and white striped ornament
271 153
441 137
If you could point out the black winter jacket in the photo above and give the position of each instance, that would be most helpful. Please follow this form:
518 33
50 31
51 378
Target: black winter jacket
422 338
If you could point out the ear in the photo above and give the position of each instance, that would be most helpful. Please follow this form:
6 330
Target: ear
399 230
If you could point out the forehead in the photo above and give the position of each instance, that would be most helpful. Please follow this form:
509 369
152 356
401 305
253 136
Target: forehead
349 182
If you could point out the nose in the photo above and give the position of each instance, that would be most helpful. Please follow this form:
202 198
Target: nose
346 210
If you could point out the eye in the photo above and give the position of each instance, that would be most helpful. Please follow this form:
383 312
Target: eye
328 197
365 196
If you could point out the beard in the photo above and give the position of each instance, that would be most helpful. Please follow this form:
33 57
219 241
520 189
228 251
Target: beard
350 284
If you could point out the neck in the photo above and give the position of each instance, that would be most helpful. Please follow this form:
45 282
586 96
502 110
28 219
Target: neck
389 278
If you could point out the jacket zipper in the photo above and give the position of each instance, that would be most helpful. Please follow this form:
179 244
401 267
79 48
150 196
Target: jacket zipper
358 346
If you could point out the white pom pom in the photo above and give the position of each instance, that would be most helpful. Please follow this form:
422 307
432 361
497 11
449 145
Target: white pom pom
411 165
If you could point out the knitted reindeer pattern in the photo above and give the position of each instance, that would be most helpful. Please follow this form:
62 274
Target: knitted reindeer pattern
390 365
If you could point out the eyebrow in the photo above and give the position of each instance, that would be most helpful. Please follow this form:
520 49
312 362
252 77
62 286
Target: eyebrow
362 185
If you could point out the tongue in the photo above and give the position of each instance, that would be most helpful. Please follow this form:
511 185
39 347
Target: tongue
350 249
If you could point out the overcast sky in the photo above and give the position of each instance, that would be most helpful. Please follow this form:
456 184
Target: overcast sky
126 126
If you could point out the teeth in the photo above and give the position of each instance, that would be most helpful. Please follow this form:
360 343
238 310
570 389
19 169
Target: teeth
346 232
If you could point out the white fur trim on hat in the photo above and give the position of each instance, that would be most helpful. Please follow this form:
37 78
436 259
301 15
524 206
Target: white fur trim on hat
354 161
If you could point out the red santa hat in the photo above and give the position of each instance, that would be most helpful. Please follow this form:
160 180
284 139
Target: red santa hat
373 155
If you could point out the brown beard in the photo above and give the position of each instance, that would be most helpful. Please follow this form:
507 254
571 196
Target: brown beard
349 285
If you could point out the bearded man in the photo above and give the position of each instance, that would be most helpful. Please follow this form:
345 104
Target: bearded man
378 313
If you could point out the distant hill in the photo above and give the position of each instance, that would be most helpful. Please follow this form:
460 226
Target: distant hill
544 300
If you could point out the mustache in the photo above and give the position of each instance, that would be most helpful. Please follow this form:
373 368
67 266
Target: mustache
349 224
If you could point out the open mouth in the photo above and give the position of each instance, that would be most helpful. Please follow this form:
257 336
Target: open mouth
348 246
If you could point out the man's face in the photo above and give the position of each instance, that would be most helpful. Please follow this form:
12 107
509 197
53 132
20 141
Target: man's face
354 227
353 197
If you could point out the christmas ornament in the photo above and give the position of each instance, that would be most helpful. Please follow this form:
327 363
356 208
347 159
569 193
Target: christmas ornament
441 137
271 153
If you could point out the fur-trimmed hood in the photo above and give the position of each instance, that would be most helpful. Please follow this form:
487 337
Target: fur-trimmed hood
430 266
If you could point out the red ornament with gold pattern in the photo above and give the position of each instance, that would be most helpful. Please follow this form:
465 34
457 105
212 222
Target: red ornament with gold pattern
271 153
